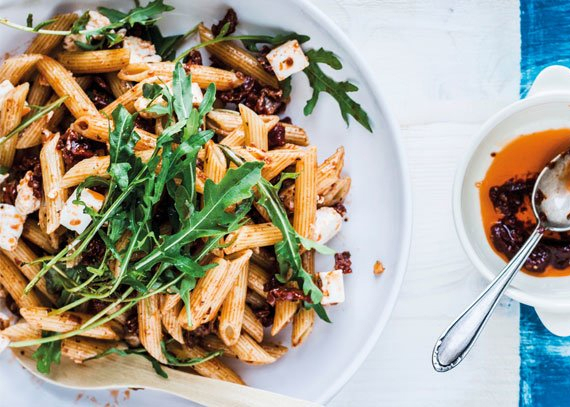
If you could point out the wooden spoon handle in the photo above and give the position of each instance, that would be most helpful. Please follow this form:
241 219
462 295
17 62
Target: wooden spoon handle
216 393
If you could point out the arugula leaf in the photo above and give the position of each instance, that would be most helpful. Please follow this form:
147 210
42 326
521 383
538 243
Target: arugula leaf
174 361
47 354
320 82
165 46
311 244
182 92
122 140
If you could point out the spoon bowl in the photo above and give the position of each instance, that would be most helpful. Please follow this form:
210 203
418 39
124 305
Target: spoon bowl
551 195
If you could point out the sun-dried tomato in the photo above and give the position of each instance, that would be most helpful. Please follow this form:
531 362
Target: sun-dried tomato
342 262
94 252
262 100
340 208
231 18
145 124
75 148
276 136
194 58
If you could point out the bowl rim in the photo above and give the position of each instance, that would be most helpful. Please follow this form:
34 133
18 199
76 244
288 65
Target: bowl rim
556 305
364 70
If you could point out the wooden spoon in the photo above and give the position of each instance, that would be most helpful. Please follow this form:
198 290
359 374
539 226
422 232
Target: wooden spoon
116 371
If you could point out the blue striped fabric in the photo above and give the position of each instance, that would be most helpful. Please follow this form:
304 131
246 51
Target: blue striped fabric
545 358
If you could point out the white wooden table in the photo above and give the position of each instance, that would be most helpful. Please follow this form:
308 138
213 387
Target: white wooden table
445 66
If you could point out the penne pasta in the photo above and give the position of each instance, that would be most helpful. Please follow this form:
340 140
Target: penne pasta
249 351
11 113
305 209
94 166
254 128
21 331
213 368
39 92
328 173
255 300
250 236
22 256
210 292
277 161
252 325
263 259
80 349
238 58
52 173
101 61
44 43
215 164
274 349
118 86
232 312
98 127
63 83
169 314
14 282
201 74
41 318
150 326
214 343
284 312
257 279
15 68
33 233
128 98
336 193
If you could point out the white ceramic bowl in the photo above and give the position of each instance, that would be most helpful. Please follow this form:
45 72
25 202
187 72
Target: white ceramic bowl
547 106
379 205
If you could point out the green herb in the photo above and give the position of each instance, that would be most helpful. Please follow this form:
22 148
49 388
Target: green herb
320 82
174 361
47 354
137 351
32 118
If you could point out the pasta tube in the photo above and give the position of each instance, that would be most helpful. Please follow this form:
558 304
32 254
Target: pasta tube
101 61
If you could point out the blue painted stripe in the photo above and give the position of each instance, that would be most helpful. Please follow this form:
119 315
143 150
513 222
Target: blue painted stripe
545 358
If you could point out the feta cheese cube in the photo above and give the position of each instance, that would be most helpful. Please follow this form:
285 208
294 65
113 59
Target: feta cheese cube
287 59
141 50
332 286
26 201
327 224
96 20
11 226
73 216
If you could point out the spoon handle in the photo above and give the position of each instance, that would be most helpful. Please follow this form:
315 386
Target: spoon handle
457 340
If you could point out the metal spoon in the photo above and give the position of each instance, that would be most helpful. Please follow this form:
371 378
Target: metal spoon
551 207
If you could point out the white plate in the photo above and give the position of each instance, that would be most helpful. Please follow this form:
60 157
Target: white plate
379 206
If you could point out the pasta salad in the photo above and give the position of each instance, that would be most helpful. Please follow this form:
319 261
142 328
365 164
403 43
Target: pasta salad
160 204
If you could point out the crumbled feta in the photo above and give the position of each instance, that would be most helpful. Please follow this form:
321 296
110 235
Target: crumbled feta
332 286
141 50
327 224
287 59
73 216
11 226
26 201
96 20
